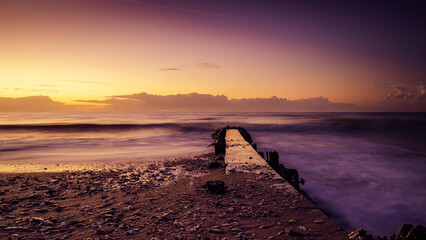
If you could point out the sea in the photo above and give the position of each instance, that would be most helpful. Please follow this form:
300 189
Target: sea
365 170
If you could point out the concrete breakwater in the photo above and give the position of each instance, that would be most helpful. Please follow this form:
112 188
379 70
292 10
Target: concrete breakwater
223 138
241 156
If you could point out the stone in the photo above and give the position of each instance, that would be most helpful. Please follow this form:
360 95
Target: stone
195 228
291 232
242 236
59 209
318 221
266 226
217 187
177 224
133 231
103 232
36 220
14 228
303 228
357 233
217 230
230 210
40 210
217 164
411 232
167 216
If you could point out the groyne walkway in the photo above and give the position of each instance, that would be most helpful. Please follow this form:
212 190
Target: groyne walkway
241 157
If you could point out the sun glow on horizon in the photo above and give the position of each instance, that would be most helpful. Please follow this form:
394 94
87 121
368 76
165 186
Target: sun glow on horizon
56 49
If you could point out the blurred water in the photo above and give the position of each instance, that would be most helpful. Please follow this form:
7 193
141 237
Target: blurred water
366 169
360 183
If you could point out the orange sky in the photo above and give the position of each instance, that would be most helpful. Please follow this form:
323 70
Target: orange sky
89 50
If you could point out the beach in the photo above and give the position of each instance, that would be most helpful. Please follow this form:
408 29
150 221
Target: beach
162 200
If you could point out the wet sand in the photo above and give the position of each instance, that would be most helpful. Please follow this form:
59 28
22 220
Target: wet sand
163 200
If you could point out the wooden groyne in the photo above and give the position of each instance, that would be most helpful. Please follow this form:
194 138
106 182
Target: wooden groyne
241 156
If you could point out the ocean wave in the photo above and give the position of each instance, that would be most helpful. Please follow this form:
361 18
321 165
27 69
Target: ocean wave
348 125
82 127
307 126
23 148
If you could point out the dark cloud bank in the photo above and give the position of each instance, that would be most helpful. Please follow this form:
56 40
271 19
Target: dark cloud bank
219 103
209 103
31 104
406 98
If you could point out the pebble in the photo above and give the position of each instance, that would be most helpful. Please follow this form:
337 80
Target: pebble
36 220
177 224
133 231
195 228
40 210
242 236
291 232
303 228
14 228
230 210
217 230
319 221
102 232
266 226
167 216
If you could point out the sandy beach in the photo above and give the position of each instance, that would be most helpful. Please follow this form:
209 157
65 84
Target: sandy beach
163 200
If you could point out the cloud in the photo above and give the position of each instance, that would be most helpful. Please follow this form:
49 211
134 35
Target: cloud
170 69
31 104
77 81
219 103
399 99
402 98
406 93
275 104
208 65
42 90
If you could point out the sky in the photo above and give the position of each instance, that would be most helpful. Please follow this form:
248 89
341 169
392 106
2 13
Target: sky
87 54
